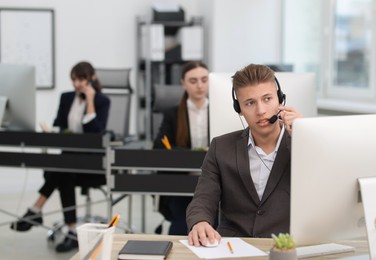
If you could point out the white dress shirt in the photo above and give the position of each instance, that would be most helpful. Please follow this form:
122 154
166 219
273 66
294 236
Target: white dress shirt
260 163
77 117
198 124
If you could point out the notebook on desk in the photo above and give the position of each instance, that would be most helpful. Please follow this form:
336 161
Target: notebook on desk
142 249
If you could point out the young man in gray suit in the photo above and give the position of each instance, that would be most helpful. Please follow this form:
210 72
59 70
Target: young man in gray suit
246 174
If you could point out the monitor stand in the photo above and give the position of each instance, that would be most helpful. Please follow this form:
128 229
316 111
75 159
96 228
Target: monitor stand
368 191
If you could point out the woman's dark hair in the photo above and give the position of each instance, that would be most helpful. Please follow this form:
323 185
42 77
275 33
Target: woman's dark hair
84 70
192 65
182 134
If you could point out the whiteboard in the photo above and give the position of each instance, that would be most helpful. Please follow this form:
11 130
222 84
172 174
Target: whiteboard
27 37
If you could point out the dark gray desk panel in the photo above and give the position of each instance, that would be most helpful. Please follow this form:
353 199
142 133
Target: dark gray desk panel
156 183
159 159
55 162
78 141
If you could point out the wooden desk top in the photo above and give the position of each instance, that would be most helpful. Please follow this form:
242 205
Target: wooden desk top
180 252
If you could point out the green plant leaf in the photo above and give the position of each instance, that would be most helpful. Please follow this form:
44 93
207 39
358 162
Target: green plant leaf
283 241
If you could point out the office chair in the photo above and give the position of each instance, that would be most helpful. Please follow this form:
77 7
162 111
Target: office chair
164 97
85 191
116 86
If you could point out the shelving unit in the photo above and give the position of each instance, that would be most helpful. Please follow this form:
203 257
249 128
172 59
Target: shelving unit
158 62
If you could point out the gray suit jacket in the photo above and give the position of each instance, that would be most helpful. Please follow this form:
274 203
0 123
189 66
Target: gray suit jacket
226 184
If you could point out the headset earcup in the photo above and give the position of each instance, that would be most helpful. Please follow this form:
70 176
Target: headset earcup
235 102
281 96
236 106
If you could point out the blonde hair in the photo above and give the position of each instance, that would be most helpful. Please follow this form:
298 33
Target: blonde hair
253 74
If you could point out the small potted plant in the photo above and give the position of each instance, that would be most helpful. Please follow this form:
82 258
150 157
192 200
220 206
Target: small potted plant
284 248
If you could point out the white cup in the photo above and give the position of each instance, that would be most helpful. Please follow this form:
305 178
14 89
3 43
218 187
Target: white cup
95 240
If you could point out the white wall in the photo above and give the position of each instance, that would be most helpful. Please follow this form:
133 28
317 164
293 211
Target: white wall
245 31
103 32
100 31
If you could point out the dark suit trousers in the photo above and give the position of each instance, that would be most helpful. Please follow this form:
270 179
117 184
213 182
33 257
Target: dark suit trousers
177 206
66 183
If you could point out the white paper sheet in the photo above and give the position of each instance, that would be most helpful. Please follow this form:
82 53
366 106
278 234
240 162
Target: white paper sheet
240 249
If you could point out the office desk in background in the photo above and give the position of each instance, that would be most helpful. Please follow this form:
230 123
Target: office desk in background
89 153
93 153
141 177
84 152
181 252
56 152
143 164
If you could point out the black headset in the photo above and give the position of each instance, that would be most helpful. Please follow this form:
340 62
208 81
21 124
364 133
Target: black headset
280 94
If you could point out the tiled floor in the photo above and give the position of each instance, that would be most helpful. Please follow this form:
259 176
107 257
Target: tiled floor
18 190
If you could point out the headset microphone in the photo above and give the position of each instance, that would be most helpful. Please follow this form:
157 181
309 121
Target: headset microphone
274 118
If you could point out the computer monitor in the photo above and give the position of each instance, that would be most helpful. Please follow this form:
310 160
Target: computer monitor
300 90
329 154
17 84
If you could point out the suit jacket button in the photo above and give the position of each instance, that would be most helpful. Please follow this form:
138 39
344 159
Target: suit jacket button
260 212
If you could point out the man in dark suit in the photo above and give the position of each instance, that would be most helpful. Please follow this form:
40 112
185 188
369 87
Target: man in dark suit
246 174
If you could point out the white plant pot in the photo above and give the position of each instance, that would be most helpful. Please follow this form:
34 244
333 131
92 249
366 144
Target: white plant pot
276 254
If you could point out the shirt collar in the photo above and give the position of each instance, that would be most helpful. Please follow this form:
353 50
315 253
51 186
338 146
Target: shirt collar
192 106
251 142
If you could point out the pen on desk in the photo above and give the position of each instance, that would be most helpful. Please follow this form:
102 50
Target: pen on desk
166 143
230 247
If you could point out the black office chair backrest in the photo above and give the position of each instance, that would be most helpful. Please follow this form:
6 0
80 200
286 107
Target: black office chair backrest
116 85
165 96
114 78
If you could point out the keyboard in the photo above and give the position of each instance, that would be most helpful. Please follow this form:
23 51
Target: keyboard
322 249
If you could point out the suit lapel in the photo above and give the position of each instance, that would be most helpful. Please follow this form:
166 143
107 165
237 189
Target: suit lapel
68 101
281 162
243 166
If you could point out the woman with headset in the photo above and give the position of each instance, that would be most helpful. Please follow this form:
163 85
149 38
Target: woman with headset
84 110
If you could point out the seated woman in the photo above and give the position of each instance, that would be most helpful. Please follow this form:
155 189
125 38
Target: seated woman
84 110
186 126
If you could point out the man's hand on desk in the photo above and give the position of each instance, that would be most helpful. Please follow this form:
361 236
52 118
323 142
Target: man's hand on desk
203 233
